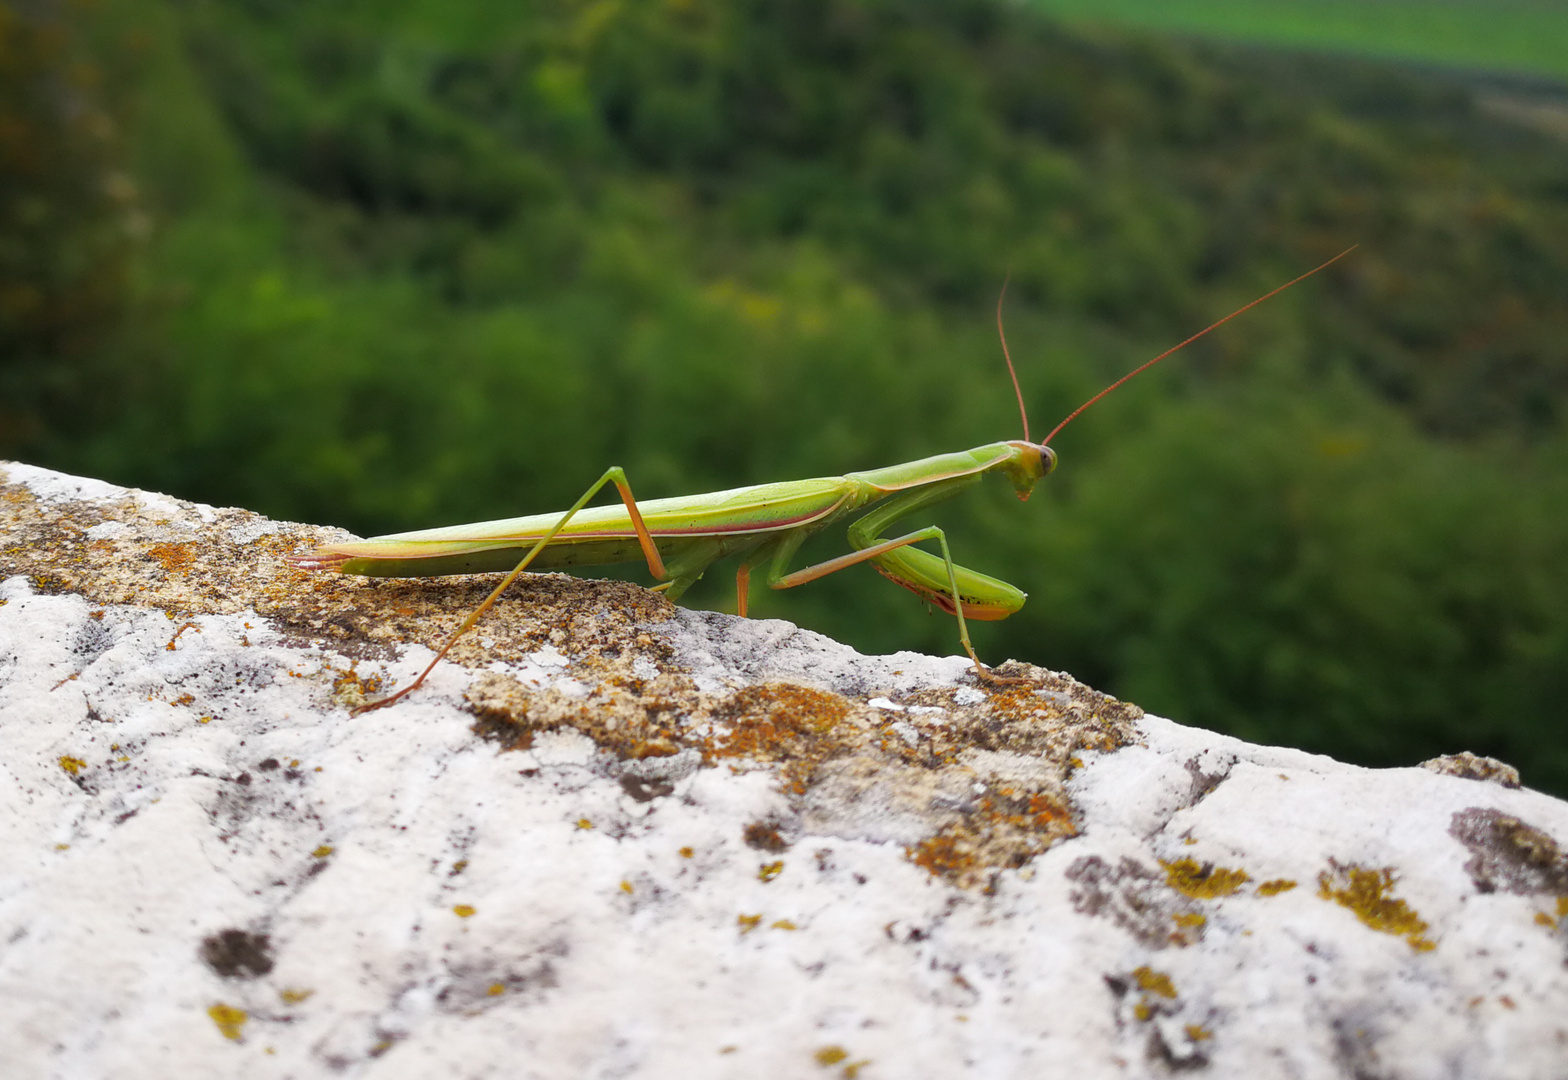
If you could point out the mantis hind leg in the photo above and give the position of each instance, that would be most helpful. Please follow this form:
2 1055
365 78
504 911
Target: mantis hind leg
615 474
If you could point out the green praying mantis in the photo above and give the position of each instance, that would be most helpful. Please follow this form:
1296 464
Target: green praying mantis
764 525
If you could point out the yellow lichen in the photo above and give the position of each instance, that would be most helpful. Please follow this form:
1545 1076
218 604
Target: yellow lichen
626 887
782 924
830 1055
72 765
229 1020
294 997
1365 893
496 989
769 871
1202 881
1189 918
748 923
1154 982
1198 1033
463 911
323 851
1275 887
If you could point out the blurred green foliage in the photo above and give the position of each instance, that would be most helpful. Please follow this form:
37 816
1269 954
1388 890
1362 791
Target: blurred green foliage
404 264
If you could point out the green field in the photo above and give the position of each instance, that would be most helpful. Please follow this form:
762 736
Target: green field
1524 36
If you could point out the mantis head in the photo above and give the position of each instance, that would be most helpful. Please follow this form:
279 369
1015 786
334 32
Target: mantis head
1029 464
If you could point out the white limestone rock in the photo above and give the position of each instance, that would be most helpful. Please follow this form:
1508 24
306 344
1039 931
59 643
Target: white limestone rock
615 838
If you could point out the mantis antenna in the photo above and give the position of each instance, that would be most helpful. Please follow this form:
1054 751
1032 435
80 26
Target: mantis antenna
1148 363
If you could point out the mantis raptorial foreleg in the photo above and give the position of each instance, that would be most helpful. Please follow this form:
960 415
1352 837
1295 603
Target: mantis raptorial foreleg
870 548
613 474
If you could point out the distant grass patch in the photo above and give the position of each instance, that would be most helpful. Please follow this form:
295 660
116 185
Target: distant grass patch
1508 35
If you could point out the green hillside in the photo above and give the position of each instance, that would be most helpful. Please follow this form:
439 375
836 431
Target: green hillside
1498 35
402 264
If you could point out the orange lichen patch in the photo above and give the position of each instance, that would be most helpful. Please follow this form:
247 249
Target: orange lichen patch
943 856
795 726
1154 982
72 765
230 1020
1202 881
1366 893
174 558
1004 828
1275 887
351 689
182 628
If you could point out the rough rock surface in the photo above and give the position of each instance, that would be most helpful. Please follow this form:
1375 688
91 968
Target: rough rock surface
616 838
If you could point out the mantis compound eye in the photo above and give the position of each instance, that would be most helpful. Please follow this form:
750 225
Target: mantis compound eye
1047 459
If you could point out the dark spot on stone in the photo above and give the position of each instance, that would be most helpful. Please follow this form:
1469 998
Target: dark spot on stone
268 765
243 779
765 836
1205 781
1509 855
235 954
1136 898
645 790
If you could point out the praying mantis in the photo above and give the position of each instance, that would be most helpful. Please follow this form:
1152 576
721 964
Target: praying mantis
764 525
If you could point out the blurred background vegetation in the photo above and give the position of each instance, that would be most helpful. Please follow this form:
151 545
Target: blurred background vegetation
403 264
